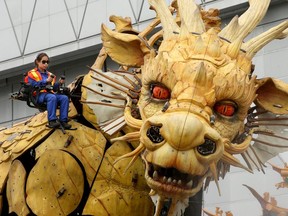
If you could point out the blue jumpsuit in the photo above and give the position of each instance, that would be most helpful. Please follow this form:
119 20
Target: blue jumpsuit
52 100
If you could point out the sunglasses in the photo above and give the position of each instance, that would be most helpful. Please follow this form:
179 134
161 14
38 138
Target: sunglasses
44 62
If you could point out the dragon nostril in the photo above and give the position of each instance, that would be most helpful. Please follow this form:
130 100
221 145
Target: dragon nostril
153 133
207 148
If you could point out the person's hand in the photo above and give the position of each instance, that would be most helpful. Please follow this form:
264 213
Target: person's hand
49 79
61 81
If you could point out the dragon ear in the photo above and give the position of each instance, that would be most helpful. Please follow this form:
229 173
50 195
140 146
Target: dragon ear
272 95
125 49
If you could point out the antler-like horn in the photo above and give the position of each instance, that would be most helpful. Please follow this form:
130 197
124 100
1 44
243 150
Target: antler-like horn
191 16
247 21
167 21
256 43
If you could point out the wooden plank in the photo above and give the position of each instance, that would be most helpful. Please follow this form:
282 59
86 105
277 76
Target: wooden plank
16 189
55 185
117 193
4 167
87 145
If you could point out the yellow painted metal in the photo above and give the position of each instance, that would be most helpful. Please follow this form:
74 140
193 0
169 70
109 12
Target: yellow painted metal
117 193
87 145
55 185
16 189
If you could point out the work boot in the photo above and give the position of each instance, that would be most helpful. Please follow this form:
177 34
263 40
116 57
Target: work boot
65 125
53 124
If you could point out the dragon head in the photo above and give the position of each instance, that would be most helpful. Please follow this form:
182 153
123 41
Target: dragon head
197 90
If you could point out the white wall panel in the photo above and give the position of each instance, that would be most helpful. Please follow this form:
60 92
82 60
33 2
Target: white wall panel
56 7
61 30
5 103
146 14
27 10
21 34
96 13
276 64
8 44
42 9
4 21
15 10
275 44
126 11
39 35
77 15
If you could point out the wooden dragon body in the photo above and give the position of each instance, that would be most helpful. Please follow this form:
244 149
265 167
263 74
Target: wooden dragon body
181 103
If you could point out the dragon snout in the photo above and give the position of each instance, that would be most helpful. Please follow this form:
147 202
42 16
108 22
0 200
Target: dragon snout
207 148
182 132
153 133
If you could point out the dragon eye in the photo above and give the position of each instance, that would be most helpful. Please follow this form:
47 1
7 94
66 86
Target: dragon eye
160 92
225 108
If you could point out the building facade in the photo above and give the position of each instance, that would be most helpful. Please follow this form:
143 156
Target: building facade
69 32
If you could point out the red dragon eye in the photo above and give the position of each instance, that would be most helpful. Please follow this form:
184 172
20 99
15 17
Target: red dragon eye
160 92
225 108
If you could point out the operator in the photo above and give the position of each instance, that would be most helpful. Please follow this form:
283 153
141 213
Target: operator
41 78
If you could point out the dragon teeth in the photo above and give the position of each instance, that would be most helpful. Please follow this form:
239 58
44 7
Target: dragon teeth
174 182
179 182
155 175
164 179
189 184
169 180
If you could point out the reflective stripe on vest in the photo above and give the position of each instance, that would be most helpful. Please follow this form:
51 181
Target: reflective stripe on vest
36 75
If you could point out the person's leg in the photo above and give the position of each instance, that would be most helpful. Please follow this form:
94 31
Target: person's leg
51 103
63 102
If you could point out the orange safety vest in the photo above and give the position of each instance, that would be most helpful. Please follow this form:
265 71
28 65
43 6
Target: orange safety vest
36 75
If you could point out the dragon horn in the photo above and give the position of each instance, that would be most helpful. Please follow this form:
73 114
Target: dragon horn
167 20
247 21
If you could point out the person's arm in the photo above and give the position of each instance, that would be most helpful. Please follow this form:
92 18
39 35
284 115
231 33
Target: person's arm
40 83
34 83
59 84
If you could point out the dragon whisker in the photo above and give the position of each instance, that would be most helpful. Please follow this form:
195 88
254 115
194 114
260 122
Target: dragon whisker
213 170
101 103
111 79
133 136
230 159
105 95
130 120
269 144
134 153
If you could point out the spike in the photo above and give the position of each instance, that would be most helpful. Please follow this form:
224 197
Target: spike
234 48
213 170
214 49
201 77
200 47
231 29
184 32
198 25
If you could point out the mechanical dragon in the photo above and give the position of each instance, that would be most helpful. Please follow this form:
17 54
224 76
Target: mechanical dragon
182 107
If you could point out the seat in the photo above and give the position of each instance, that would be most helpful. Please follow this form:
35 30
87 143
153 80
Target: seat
29 94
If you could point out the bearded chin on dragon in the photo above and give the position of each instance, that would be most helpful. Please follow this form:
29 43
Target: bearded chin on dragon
183 103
